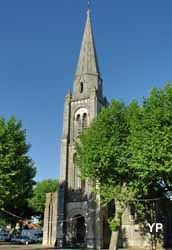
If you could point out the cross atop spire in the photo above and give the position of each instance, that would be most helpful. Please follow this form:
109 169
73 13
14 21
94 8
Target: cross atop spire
87 63
89 5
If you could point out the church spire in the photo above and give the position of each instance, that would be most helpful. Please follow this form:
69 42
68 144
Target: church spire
88 5
88 63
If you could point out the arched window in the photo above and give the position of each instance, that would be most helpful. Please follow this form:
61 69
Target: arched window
81 119
84 121
78 118
74 169
78 124
81 87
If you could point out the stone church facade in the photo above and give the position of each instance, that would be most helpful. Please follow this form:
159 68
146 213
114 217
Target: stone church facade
79 216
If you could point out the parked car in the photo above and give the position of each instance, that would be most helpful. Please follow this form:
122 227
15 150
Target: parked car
14 239
38 240
25 240
35 235
38 237
4 236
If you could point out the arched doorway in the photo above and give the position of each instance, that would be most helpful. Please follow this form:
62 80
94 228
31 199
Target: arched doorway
80 229
77 231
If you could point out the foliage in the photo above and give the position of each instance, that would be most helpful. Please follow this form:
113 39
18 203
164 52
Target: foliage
128 149
123 197
2 222
16 167
151 144
37 202
103 146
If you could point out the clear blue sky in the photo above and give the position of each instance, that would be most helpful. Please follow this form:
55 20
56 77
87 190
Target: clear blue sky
39 46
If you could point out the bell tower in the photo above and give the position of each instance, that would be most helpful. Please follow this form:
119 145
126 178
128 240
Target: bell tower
76 215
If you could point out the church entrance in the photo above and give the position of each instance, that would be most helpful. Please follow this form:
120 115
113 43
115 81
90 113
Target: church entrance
78 230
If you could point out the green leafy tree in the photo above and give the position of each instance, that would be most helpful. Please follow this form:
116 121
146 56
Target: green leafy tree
103 155
151 144
128 150
102 147
16 167
37 202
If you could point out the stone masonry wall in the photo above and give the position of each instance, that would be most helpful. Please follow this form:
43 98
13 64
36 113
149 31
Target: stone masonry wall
50 220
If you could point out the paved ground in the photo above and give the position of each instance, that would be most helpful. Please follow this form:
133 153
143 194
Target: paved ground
23 247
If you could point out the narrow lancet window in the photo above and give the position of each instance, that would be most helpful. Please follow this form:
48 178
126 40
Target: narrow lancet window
84 121
74 170
81 88
78 125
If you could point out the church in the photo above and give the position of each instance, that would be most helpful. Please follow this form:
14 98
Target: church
78 219
73 216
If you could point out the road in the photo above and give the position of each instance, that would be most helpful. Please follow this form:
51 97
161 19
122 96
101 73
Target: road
22 247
